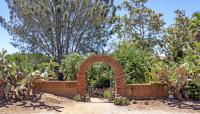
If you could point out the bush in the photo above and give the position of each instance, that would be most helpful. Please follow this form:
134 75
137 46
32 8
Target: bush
79 98
193 91
101 82
135 62
108 95
122 101
70 65
99 75
27 62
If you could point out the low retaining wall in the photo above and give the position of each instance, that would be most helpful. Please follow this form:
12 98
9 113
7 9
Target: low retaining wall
60 88
146 91
69 89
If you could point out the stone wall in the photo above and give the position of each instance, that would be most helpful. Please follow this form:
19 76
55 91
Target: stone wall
146 91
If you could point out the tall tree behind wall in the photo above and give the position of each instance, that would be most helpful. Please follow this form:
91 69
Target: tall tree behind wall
139 25
58 27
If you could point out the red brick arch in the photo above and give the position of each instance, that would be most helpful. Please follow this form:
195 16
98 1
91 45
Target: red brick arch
119 76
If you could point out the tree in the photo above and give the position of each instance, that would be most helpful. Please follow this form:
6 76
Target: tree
195 26
58 27
177 37
135 62
140 25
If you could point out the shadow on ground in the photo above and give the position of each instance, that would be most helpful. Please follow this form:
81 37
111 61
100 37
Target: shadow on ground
194 105
33 102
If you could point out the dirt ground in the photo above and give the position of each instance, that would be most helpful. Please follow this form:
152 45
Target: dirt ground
50 104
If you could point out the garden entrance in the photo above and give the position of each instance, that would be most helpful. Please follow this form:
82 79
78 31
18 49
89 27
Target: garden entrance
119 77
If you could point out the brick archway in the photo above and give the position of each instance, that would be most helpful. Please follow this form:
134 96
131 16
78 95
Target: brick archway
119 76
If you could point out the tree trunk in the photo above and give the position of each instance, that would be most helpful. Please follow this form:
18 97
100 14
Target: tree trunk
58 33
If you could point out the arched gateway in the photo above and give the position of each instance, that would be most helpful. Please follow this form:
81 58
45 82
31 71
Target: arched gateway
119 77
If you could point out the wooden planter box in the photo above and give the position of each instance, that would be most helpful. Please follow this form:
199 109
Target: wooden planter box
146 91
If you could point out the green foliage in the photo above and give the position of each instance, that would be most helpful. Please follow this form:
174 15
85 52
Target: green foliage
13 88
193 91
180 45
122 101
79 98
49 70
26 62
70 65
174 75
140 25
151 78
76 27
135 63
177 36
100 75
195 22
101 82
108 95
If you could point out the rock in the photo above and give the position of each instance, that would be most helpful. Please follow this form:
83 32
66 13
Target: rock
146 103
171 97
134 101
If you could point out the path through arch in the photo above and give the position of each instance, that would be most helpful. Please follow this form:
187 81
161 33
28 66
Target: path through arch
119 76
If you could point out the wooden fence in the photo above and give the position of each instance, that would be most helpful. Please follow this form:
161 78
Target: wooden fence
146 91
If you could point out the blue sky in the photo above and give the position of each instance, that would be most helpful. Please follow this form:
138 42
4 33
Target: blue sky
166 7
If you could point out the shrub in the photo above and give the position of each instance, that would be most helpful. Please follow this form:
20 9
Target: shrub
99 75
101 82
193 91
79 98
70 65
108 95
122 101
135 62
27 62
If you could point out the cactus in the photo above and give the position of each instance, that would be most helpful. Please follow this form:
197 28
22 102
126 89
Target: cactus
49 69
12 87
